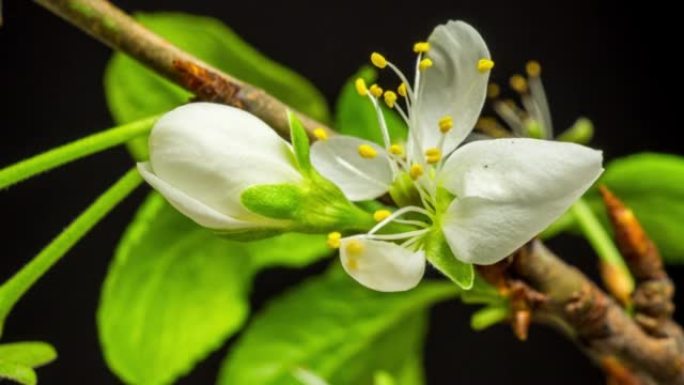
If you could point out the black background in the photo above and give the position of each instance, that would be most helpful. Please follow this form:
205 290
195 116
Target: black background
607 60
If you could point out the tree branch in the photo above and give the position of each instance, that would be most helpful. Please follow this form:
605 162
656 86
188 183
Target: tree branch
541 284
578 307
113 27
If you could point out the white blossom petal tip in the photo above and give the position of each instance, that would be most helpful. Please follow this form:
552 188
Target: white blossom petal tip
202 214
361 169
381 266
509 190
454 87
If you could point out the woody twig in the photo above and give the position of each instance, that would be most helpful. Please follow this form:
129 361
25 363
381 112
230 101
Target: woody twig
110 25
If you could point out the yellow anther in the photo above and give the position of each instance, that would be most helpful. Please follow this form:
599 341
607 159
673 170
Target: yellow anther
445 124
402 89
518 83
433 159
484 65
380 215
376 90
433 155
334 240
493 90
491 127
416 171
396 149
367 151
354 248
378 60
320 133
533 68
421 47
390 98
425 64
361 88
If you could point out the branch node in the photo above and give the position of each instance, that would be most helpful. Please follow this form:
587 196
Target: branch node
206 84
586 309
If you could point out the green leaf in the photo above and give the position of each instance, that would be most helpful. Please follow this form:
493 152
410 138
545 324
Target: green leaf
31 354
412 372
652 185
356 116
338 329
300 143
440 256
18 373
18 359
134 92
175 291
306 377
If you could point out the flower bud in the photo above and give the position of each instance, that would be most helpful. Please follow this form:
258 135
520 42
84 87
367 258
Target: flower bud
229 171
204 155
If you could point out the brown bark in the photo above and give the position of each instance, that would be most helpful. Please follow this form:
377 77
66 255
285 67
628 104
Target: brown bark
602 327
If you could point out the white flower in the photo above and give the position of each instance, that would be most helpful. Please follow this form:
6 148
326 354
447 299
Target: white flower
204 155
485 198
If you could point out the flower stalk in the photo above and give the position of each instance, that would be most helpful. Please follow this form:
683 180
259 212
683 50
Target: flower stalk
614 271
13 289
70 152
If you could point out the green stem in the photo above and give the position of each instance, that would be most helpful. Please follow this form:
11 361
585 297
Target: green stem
74 150
599 239
12 290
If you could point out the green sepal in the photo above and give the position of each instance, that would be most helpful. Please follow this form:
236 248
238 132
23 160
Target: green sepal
581 132
325 208
440 256
250 234
300 143
489 316
278 201
482 293
314 206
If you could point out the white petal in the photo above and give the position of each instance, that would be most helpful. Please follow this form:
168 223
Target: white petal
359 178
192 208
212 152
382 266
508 190
452 86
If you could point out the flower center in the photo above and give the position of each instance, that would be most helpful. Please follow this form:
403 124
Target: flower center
414 174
